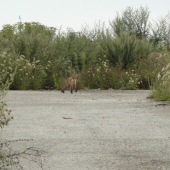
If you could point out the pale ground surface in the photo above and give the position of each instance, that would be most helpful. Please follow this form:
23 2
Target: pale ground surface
115 130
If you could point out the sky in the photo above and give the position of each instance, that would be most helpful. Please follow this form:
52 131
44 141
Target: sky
74 13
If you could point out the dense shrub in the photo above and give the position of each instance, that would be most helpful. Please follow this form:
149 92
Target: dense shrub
5 81
162 84
125 48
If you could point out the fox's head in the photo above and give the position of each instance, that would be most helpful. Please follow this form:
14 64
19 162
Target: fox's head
74 77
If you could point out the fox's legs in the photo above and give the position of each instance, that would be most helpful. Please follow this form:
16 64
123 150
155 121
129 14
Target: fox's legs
62 90
74 85
75 88
71 89
72 82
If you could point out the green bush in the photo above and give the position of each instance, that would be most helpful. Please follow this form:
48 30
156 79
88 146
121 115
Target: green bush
125 48
161 88
57 82
30 75
26 72
6 79
105 76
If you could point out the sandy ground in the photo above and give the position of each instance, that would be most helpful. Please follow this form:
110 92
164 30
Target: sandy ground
94 129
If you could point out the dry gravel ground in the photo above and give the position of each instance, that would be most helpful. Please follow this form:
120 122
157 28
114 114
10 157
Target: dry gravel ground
93 129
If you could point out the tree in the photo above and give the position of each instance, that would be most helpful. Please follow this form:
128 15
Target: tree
160 33
133 21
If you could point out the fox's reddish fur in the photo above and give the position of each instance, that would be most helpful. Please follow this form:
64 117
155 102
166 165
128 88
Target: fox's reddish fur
72 82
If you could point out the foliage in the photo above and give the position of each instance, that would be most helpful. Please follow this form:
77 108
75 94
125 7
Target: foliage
4 111
105 76
31 74
126 55
6 78
96 77
148 68
125 48
161 34
132 81
162 84
26 72
57 83
4 115
134 21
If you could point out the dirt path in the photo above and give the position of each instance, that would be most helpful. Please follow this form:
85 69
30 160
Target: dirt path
96 130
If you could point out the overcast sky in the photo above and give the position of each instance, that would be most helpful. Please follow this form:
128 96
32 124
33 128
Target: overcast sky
73 13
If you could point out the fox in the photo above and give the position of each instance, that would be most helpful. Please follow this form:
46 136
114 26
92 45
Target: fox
72 82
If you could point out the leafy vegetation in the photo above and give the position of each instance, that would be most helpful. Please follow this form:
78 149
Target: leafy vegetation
129 54
162 83
5 81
